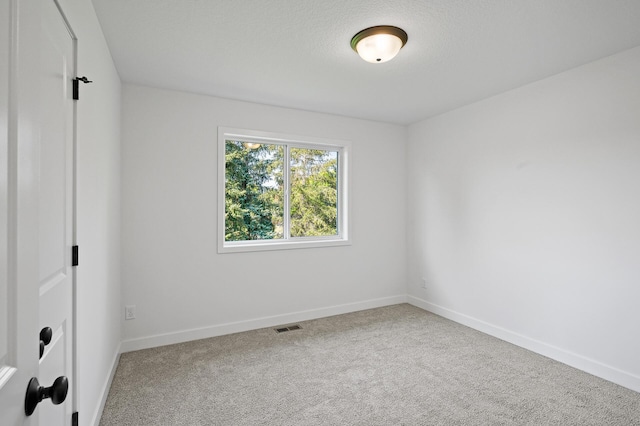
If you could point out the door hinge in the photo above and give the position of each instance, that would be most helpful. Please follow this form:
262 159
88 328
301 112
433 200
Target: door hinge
74 256
74 419
76 86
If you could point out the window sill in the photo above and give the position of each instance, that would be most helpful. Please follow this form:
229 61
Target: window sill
241 247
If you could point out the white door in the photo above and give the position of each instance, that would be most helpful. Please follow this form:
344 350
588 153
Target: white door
55 231
36 285
17 364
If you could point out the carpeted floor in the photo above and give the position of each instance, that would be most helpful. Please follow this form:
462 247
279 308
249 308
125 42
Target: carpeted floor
396 365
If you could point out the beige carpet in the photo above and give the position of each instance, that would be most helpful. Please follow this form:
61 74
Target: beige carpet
397 365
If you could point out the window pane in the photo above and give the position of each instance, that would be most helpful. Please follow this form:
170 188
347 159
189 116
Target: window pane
314 192
254 192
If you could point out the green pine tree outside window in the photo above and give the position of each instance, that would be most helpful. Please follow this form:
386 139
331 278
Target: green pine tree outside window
255 196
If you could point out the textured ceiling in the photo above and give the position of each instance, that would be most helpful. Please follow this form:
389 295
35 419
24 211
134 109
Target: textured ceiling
296 53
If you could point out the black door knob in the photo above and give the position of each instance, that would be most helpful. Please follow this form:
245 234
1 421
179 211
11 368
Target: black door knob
45 338
36 393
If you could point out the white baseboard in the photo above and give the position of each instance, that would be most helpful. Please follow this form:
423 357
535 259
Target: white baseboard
253 324
104 392
580 362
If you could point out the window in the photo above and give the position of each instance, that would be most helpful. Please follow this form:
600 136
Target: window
280 191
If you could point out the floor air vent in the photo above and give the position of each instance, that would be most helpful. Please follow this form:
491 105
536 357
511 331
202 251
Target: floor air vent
289 328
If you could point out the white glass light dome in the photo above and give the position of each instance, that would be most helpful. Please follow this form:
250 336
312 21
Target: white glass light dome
379 44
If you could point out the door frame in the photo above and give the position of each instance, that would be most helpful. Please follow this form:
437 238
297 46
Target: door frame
73 385
74 216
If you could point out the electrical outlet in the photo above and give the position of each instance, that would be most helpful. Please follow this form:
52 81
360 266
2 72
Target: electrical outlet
423 284
130 312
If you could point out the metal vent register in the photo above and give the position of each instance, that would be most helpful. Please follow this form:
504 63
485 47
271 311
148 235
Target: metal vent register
289 328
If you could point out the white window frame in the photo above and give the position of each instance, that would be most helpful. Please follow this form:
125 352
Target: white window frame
342 147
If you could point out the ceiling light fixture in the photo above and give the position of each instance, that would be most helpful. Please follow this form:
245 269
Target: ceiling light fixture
379 44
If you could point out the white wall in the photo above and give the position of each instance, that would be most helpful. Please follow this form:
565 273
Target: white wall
182 288
524 216
98 212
